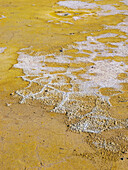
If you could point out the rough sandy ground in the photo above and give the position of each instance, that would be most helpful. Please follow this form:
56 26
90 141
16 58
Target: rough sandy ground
63 85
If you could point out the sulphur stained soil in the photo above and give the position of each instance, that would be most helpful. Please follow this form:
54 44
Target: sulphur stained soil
63 84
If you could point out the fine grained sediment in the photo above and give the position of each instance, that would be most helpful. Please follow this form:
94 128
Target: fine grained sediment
81 80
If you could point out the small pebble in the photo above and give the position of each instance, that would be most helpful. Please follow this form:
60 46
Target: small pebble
28 25
62 148
8 104
66 14
11 94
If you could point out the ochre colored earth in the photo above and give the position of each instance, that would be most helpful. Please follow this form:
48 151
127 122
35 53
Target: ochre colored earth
36 133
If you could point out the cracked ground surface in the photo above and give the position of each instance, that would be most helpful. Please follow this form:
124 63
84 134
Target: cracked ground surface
63 84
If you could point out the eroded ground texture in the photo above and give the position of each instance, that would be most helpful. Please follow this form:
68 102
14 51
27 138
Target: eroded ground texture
64 84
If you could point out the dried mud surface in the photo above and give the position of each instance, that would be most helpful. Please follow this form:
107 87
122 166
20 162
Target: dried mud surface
63 84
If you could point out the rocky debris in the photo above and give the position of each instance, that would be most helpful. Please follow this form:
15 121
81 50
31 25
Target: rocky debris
96 124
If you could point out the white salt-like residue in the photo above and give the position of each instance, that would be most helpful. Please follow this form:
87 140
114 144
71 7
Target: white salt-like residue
120 50
106 73
65 77
30 64
2 49
123 26
2 16
66 22
77 4
105 9
76 18
125 2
